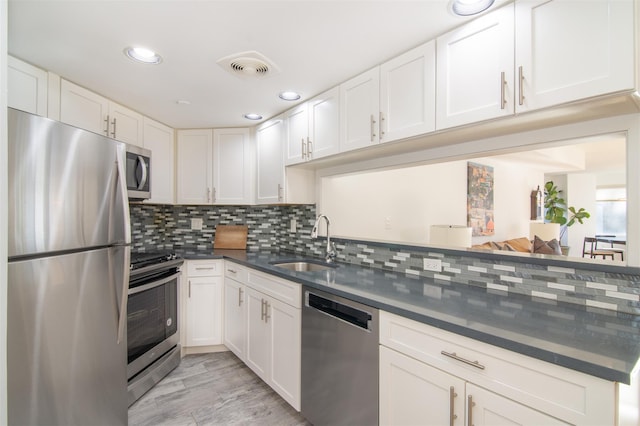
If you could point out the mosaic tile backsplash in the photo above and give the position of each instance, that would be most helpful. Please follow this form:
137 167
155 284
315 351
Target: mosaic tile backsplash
169 227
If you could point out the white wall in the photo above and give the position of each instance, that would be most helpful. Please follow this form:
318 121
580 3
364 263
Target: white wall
3 212
581 192
401 204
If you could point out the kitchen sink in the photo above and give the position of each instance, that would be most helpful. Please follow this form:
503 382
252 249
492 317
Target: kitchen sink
304 265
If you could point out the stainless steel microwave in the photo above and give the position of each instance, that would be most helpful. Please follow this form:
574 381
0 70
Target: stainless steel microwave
138 173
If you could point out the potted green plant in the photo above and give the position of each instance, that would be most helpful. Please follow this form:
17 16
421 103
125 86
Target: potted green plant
556 211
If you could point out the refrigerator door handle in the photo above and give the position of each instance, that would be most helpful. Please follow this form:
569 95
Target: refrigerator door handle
121 162
124 297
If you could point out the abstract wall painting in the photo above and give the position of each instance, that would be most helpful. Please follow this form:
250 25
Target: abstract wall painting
480 199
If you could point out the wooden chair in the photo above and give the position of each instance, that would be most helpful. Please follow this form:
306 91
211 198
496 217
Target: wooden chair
590 247
612 243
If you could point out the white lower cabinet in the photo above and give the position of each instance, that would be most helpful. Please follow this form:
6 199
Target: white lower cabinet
235 314
412 392
262 327
431 376
202 295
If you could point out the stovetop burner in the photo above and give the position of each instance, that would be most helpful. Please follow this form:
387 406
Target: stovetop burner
145 258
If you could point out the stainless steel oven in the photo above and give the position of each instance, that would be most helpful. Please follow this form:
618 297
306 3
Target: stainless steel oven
153 338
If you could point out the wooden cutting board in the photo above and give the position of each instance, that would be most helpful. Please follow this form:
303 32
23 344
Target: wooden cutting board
231 237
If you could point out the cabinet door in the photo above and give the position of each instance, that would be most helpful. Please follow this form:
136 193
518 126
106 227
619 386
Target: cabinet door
159 139
194 149
412 392
125 125
83 108
324 124
285 324
26 87
408 94
235 317
231 166
475 70
360 110
486 408
270 162
204 311
566 53
258 335
297 131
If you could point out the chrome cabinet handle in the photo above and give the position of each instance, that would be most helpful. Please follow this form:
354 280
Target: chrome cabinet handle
266 311
208 194
113 132
470 405
373 131
452 415
466 361
233 271
309 150
521 86
189 289
280 189
214 195
239 296
503 83
262 314
303 148
381 125
106 126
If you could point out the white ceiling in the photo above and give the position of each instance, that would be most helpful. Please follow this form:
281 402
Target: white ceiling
316 44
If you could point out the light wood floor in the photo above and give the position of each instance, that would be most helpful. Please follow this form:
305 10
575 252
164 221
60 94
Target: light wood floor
212 389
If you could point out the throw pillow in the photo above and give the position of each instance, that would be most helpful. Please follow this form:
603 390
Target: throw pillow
545 247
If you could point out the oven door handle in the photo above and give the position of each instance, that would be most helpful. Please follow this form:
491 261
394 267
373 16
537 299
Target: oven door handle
153 284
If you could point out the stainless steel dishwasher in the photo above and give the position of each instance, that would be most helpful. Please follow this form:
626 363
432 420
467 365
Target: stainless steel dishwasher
339 360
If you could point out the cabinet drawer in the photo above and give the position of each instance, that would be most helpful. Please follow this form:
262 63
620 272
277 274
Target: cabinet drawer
283 290
557 391
204 268
235 272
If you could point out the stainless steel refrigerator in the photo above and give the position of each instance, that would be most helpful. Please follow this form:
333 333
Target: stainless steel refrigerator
68 272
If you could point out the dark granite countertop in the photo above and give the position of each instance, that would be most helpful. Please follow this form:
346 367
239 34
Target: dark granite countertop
598 342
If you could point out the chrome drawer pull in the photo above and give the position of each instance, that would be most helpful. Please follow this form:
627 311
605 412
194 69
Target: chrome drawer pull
233 271
466 361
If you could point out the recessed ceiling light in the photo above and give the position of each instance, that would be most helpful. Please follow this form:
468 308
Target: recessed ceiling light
252 116
469 7
289 96
142 54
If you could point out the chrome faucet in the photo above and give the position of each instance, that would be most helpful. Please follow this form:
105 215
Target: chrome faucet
331 248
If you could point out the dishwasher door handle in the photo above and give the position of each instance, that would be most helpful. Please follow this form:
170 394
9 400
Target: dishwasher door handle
339 310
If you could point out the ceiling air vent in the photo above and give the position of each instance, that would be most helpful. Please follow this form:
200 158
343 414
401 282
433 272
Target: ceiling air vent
249 64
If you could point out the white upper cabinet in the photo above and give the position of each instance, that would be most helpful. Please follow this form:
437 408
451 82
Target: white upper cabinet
232 166
567 51
408 93
274 185
159 139
26 87
296 123
360 110
324 124
125 125
83 108
393 101
195 164
270 162
475 70
87 110
312 128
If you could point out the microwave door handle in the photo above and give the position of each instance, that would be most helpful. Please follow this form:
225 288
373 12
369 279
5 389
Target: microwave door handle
142 166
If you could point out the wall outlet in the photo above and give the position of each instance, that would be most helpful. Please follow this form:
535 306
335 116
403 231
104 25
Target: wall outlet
196 224
433 265
293 225
387 223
